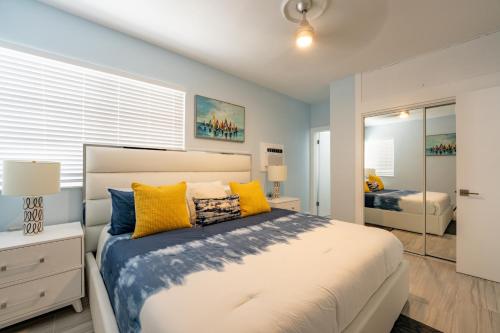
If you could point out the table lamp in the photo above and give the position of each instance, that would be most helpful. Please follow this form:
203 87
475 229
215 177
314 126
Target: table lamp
276 174
370 172
31 180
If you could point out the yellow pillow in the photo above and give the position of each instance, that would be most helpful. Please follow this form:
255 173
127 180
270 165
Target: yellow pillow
372 178
252 198
159 209
367 189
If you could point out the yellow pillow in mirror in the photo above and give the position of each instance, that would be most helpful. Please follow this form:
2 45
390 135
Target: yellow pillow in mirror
159 208
252 198
372 178
366 188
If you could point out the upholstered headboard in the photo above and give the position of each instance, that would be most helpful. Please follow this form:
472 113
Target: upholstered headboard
117 167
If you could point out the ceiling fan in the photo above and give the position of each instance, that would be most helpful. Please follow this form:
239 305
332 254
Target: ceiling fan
298 11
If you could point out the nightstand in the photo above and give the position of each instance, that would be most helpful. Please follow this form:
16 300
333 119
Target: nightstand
40 273
285 203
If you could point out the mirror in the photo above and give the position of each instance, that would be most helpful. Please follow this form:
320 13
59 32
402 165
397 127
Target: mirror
394 176
440 151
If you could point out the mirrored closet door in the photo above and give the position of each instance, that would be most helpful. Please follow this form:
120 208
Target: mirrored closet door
409 159
440 151
394 176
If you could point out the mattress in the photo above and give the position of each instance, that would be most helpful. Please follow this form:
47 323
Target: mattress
275 272
408 201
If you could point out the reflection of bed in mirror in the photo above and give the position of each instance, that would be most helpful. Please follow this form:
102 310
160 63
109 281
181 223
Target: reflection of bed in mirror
403 209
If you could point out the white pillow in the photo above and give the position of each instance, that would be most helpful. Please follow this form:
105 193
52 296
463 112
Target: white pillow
203 190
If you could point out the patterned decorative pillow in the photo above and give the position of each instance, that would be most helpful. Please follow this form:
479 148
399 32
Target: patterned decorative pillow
215 210
373 186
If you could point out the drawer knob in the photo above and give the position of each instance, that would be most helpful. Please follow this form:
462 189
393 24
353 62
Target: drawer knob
40 261
3 305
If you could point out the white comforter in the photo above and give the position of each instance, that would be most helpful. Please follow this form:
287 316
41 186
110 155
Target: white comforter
316 283
437 202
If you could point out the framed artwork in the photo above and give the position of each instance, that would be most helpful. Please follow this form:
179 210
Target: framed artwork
219 120
441 145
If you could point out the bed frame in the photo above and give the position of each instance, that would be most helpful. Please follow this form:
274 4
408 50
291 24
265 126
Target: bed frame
436 224
106 166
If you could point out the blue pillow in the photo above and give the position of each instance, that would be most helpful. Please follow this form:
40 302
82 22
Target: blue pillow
123 214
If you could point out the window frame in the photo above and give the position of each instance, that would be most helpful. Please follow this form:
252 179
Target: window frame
105 69
391 173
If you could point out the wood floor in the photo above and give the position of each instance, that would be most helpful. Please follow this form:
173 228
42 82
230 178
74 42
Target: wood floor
451 302
65 320
439 297
437 246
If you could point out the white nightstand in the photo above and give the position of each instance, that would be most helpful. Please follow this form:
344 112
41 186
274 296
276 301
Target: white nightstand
285 203
40 273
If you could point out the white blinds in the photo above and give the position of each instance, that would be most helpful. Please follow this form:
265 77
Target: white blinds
379 155
49 109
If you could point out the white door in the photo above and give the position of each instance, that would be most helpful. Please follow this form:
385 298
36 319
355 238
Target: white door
478 167
324 174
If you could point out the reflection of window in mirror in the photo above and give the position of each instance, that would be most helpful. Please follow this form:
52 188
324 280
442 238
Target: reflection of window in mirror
379 155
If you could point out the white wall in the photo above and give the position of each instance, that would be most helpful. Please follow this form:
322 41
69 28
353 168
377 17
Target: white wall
270 116
433 77
342 117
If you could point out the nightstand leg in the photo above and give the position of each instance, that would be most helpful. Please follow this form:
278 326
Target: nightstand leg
77 305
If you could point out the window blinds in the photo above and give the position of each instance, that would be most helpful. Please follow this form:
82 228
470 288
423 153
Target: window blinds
49 109
379 155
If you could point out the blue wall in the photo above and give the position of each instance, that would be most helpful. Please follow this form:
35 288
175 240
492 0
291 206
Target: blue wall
320 114
270 116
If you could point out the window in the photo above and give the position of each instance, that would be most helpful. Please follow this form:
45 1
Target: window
379 155
49 109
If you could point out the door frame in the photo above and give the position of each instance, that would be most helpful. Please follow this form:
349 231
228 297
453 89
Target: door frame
313 148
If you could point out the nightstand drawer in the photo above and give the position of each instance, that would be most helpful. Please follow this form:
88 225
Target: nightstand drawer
290 205
33 261
24 298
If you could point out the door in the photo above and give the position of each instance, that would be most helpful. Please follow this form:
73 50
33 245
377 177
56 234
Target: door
324 174
478 165
441 177
393 182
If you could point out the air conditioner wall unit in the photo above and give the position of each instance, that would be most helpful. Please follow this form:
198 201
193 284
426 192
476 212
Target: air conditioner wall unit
271 154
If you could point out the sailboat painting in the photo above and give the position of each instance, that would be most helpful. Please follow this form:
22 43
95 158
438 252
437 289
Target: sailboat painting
219 120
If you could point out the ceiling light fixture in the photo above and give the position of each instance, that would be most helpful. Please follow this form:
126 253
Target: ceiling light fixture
300 12
404 114
304 36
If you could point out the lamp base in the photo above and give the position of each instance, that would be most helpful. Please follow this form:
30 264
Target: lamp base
276 190
33 215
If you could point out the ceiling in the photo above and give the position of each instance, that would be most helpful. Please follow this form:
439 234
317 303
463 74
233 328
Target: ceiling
251 39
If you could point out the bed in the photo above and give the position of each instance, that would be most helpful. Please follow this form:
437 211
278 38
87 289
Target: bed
281 271
403 209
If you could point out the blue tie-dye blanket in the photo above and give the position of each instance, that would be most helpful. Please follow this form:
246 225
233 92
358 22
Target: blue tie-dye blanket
386 199
135 269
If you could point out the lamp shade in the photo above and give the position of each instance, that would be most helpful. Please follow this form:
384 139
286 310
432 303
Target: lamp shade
276 173
370 172
30 178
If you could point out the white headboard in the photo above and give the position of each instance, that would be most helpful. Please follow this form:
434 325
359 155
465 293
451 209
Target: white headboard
117 167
